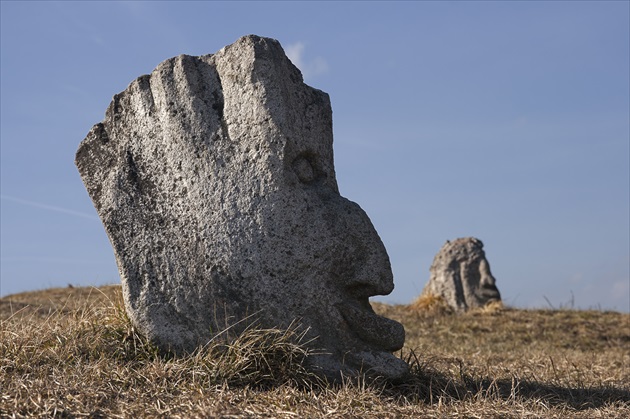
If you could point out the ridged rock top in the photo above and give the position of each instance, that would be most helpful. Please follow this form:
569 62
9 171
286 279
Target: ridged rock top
215 181
460 274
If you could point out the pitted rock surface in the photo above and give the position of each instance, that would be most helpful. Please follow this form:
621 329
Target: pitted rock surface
460 274
214 179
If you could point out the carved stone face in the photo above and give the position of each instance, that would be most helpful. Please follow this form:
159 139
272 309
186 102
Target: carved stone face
214 178
317 258
476 280
460 273
322 260
487 290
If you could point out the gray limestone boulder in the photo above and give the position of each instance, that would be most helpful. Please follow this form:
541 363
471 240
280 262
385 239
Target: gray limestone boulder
460 274
214 179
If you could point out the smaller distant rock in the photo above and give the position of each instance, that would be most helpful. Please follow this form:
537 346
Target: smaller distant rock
460 275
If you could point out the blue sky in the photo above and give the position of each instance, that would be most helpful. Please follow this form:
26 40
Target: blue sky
507 121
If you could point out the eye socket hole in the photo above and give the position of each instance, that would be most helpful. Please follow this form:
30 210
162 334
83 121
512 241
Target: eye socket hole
304 169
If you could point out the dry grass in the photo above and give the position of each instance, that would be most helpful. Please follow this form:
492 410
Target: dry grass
430 304
73 353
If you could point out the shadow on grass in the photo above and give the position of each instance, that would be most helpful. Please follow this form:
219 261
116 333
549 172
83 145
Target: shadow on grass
577 398
430 385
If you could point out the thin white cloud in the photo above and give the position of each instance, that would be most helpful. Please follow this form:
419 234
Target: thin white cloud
47 207
309 68
294 52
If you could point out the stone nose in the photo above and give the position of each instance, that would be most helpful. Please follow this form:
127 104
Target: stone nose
486 280
369 269
488 288
373 277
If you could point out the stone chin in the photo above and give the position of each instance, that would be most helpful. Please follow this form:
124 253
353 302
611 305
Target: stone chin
351 339
347 337
377 337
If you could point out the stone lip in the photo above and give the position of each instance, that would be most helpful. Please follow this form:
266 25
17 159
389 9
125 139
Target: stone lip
380 332
214 178
460 274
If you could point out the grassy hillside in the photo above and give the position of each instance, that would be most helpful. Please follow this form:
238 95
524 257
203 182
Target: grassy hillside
72 352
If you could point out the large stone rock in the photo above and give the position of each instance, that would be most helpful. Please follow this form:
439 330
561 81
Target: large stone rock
460 274
214 179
